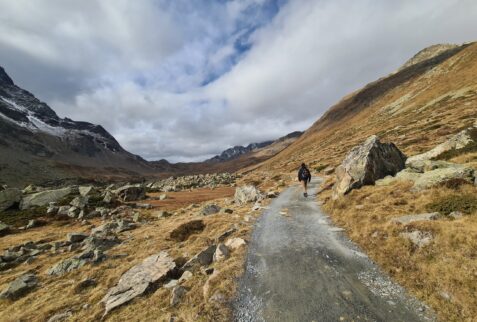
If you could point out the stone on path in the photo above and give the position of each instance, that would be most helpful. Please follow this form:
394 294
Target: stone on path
154 269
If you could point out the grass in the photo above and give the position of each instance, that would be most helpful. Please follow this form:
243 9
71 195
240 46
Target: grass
465 203
17 218
320 167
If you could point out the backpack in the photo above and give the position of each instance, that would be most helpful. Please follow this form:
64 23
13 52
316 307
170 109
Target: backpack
305 173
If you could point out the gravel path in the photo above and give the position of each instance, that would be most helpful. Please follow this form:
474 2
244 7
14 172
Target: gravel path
301 268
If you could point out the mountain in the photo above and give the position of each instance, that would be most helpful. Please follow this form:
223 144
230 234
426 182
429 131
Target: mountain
36 145
236 151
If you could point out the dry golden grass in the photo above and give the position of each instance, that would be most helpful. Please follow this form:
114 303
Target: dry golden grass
57 294
442 274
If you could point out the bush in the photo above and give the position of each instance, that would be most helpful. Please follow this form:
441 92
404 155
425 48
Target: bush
465 203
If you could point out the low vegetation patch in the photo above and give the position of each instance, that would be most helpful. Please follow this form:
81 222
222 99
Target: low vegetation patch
17 218
465 203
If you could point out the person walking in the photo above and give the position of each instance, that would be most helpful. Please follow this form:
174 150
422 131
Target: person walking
304 176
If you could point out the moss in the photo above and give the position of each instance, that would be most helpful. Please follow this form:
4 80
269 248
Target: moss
465 203
19 218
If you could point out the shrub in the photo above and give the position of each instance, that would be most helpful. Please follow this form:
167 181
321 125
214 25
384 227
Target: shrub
465 203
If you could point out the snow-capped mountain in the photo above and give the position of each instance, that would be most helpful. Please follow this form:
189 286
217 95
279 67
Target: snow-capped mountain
38 145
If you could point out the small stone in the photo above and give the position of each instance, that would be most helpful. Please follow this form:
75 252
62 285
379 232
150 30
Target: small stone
221 253
163 196
235 243
171 284
61 317
84 284
210 210
163 214
4 229
136 217
177 294
187 275
80 202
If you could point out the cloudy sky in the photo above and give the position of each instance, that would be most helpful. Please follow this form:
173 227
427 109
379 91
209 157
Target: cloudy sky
186 79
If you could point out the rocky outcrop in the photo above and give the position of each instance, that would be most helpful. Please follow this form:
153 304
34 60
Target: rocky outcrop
45 197
154 269
131 193
20 286
9 197
247 194
194 181
459 141
367 163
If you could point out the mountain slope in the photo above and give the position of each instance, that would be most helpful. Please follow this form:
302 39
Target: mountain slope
416 107
37 145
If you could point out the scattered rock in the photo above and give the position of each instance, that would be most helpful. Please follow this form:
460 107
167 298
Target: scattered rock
404 220
9 197
210 210
228 211
418 238
154 269
109 197
183 231
20 286
84 284
30 189
52 209
203 258
367 163
163 196
131 193
4 229
177 294
226 234
80 202
272 194
61 317
33 223
163 214
247 194
235 243
456 142
76 237
86 190
44 198
171 284
221 253
438 176
66 266
187 275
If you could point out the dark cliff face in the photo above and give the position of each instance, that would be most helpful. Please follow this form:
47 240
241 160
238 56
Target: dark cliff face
33 136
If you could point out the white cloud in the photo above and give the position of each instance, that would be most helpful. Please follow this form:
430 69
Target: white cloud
137 67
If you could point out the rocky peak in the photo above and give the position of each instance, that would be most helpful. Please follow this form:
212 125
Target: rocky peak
4 78
428 53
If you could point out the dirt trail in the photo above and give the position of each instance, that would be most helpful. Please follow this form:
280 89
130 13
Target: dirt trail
301 268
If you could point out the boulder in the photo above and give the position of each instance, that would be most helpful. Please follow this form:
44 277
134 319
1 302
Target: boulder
438 176
4 229
459 141
131 193
9 197
203 258
80 202
20 286
367 163
235 243
210 210
183 231
247 194
221 253
404 220
137 280
86 190
44 198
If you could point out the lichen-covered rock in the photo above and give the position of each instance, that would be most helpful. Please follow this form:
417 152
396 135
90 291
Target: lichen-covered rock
247 194
9 197
138 279
45 197
66 266
210 210
367 163
131 193
20 286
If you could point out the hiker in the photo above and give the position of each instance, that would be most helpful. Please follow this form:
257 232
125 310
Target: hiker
304 176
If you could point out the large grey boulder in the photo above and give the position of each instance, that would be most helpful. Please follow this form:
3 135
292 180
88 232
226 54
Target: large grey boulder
131 193
247 194
45 197
367 163
438 176
66 266
9 197
459 141
20 286
154 269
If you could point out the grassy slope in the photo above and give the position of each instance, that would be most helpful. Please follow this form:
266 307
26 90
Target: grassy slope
417 108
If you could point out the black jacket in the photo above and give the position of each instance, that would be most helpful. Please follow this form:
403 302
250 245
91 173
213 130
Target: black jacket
302 176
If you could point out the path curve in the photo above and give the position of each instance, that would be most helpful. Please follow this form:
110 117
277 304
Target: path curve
301 268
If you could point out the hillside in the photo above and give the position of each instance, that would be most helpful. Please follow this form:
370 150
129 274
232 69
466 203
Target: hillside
422 104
